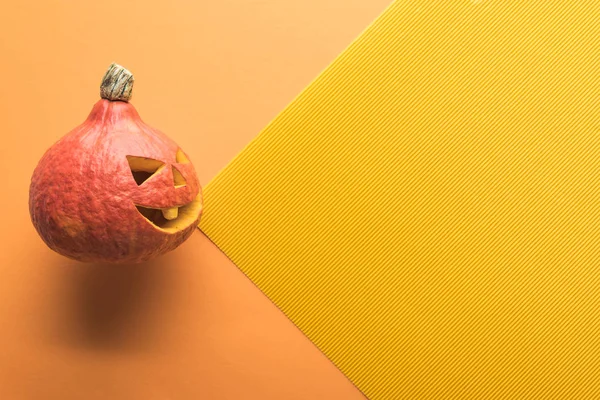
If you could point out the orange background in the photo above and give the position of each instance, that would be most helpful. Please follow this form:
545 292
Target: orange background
189 325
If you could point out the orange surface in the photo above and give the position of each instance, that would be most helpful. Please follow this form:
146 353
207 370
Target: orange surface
190 325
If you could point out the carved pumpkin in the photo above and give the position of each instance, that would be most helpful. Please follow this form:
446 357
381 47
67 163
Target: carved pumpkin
115 189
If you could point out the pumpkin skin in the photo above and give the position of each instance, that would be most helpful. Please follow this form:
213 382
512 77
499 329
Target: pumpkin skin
86 205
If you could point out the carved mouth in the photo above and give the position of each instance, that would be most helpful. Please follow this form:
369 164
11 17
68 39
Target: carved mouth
173 219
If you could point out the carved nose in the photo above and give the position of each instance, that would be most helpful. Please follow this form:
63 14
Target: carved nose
178 179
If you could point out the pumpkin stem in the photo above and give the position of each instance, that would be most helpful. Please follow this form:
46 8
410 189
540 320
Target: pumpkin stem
116 84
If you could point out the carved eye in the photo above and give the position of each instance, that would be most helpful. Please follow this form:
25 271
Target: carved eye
181 158
143 168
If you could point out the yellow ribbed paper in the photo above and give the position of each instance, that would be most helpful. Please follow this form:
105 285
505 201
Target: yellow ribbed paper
427 211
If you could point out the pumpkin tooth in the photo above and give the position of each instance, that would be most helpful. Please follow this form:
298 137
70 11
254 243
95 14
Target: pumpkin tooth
170 213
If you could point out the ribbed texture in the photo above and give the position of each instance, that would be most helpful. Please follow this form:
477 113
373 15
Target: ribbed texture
427 211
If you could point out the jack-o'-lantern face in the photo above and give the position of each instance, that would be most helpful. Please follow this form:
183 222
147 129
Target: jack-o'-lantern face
115 190
167 193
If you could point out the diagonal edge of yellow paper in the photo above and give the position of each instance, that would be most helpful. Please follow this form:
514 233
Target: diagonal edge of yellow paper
427 210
